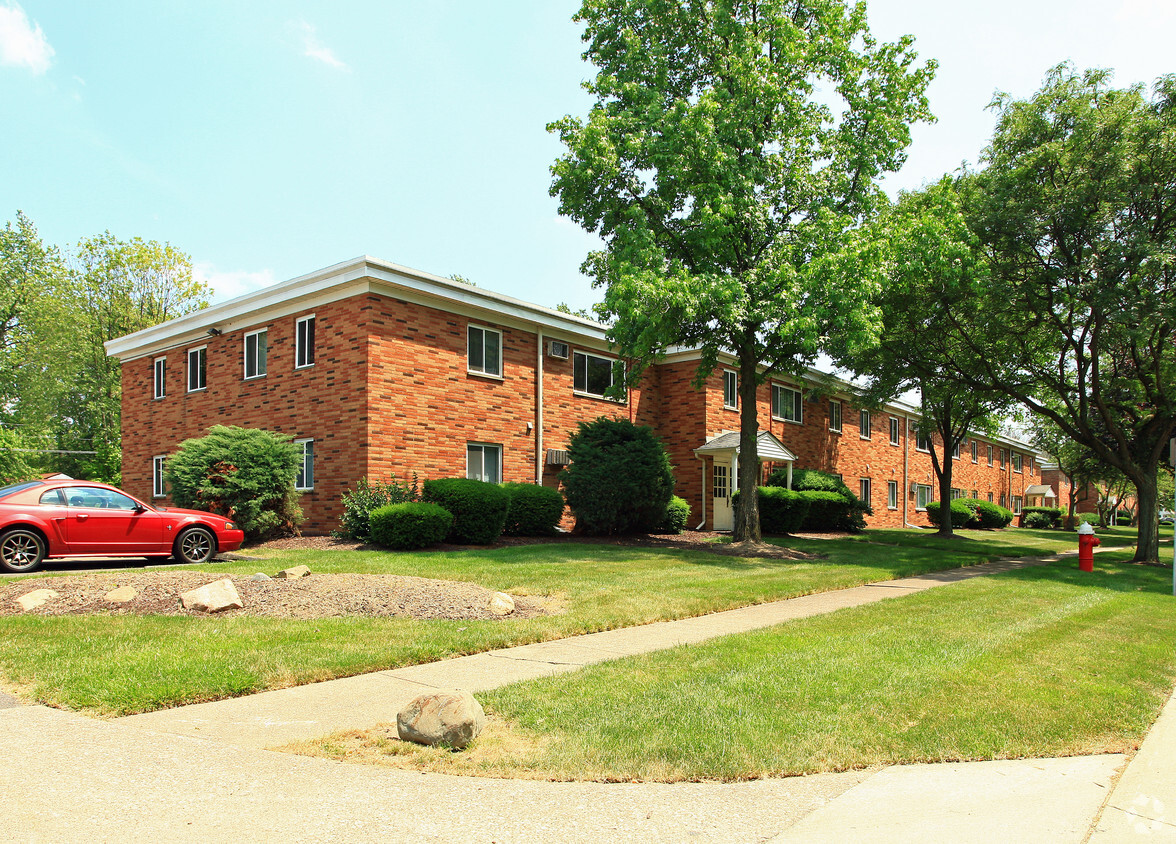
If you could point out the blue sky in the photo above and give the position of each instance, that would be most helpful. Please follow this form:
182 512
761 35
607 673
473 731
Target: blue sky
270 139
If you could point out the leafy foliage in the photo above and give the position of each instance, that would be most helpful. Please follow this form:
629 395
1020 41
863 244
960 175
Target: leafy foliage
989 515
677 516
962 513
534 510
479 508
1037 520
619 479
726 184
409 525
13 465
782 511
245 474
1053 516
825 513
359 503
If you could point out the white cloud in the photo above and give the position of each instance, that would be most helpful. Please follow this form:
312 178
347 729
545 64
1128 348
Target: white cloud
22 44
315 49
229 284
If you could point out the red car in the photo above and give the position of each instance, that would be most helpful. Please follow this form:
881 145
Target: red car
69 518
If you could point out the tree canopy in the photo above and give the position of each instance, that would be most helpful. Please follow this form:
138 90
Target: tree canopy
731 149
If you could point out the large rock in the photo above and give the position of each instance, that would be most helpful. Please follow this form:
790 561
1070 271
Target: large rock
212 597
453 719
36 598
294 573
121 595
501 604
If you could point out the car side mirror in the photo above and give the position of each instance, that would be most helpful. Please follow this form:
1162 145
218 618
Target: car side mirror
139 508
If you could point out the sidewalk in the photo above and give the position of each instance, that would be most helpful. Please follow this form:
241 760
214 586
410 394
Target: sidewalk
199 773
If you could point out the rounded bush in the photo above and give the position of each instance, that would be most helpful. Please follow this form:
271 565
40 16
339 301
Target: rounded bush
989 515
409 525
826 510
1037 520
830 516
367 496
782 511
962 514
677 516
1053 515
478 508
620 478
534 510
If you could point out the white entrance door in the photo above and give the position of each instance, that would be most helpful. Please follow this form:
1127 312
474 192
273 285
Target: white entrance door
724 515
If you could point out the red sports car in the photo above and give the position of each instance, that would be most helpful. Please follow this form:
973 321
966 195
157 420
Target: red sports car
68 518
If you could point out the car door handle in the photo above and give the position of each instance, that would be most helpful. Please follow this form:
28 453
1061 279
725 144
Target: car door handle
83 516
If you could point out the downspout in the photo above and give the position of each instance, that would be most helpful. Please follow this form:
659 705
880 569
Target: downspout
539 412
906 459
703 522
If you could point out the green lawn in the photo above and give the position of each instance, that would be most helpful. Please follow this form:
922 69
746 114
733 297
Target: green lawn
1039 662
116 664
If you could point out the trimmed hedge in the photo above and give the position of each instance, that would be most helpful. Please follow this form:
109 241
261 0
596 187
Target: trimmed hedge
825 513
989 515
534 510
478 508
962 513
620 479
1053 516
677 516
1037 520
782 511
409 525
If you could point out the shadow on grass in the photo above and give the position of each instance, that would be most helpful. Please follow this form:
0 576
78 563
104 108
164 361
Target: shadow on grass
1113 571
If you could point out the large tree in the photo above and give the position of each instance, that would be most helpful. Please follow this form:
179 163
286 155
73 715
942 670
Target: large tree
1075 209
933 277
732 148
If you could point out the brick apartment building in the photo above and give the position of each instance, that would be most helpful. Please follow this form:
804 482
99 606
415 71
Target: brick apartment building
375 368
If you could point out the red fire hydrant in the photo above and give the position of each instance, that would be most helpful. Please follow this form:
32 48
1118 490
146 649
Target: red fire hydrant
1086 544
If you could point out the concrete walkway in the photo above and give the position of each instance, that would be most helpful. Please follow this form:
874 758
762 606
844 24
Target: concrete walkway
198 773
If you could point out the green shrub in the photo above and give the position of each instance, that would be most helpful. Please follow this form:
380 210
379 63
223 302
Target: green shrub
534 510
824 512
1037 520
367 496
962 513
1053 516
409 525
245 474
782 511
677 516
1124 517
478 508
988 515
619 479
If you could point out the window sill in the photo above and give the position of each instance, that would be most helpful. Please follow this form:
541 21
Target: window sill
867 439
728 407
158 398
896 445
304 366
198 390
254 377
304 489
489 376
787 421
835 431
888 507
598 397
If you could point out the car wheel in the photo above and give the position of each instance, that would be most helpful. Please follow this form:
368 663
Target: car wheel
195 545
21 550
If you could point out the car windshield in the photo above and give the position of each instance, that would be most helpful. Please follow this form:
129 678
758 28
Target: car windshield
9 490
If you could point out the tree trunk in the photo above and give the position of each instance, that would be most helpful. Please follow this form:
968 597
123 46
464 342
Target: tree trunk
946 528
1147 547
747 518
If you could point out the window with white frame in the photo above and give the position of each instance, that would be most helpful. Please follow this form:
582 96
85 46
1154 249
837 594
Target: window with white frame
956 493
864 424
955 450
304 342
892 495
1003 458
989 455
864 490
975 452
893 430
975 496
922 496
255 353
730 390
197 371
484 462
923 442
1017 464
484 350
1016 505
1002 499
787 404
304 480
159 370
157 484
835 415
990 498
591 374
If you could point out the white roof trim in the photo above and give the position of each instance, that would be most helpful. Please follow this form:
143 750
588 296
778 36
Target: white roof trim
767 446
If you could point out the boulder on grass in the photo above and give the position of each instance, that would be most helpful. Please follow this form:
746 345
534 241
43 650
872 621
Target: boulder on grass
212 597
501 604
453 719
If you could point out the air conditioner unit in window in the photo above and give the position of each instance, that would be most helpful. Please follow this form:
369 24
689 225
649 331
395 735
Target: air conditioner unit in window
558 349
